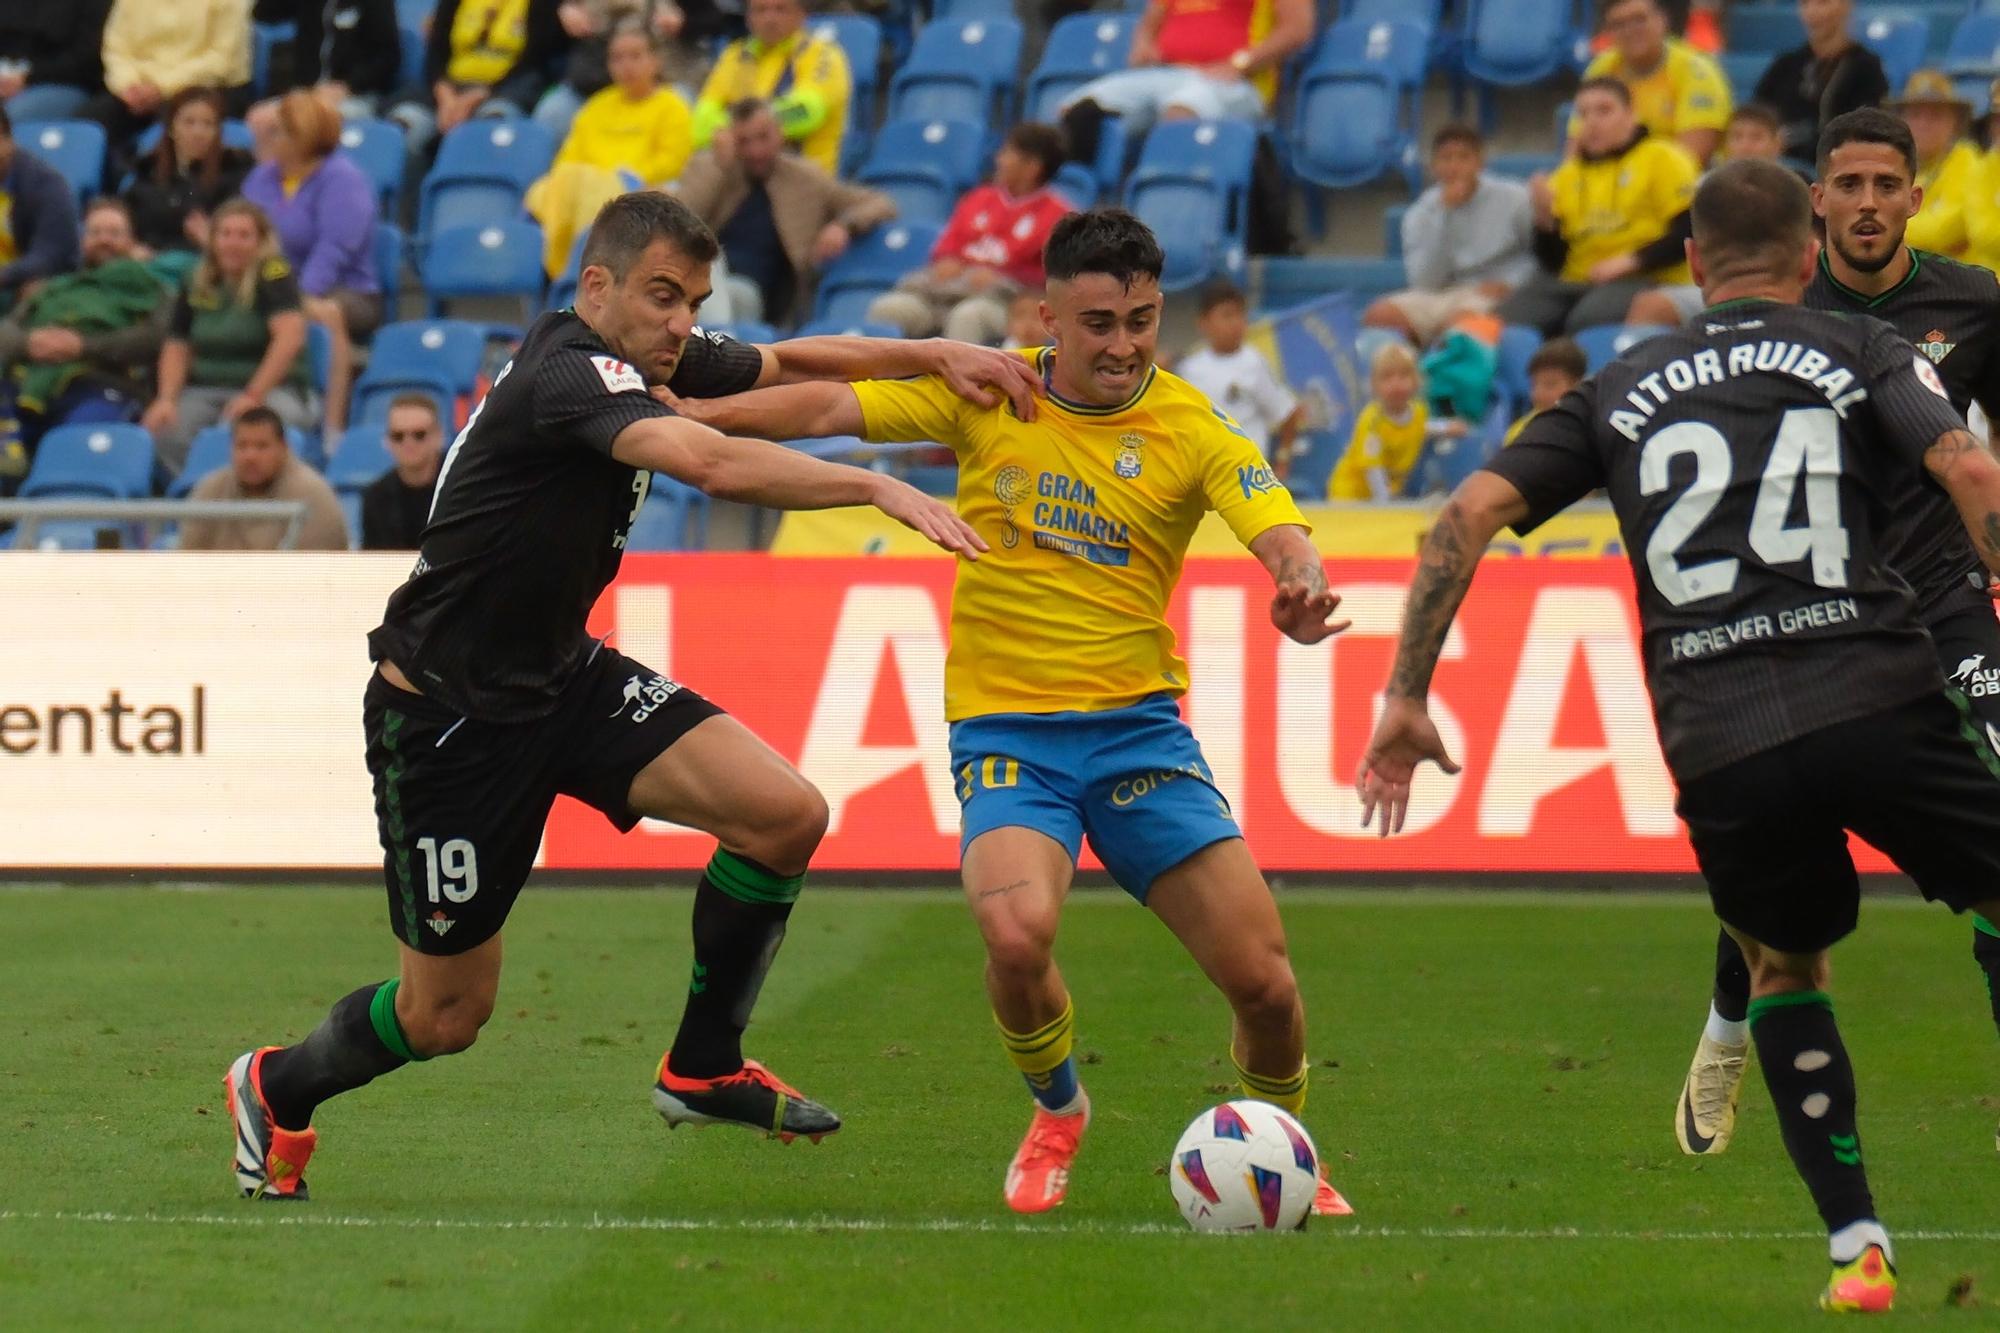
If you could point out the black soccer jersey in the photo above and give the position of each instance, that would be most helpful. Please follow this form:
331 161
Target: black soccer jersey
530 517
1951 312
1746 454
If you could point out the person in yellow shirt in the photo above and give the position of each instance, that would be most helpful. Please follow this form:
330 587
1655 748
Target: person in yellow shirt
1677 92
804 77
628 136
1610 222
1948 166
1557 366
153 49
1061 680
1389 432
481 58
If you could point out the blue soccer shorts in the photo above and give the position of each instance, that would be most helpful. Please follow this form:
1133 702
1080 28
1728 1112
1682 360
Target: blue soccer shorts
1132 779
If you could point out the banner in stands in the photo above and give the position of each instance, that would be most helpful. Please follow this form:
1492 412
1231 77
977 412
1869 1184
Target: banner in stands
203 711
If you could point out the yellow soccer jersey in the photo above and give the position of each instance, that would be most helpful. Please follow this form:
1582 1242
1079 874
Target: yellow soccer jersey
1612 206
1685 91
1948 185
1089 512
1379 441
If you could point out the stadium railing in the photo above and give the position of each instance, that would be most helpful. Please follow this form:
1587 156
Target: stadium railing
29 516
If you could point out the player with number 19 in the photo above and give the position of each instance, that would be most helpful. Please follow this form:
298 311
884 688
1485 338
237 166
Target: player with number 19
1748 456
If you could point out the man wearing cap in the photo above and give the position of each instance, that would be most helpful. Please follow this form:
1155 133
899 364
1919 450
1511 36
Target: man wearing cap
1948 166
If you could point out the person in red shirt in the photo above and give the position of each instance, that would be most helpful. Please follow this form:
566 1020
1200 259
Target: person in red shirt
990 250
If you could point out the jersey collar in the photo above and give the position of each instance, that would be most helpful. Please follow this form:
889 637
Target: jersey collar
1045 362
1847 293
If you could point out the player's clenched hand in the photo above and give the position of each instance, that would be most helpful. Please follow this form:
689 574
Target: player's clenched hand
929 516
1305 616
1404 737
984 375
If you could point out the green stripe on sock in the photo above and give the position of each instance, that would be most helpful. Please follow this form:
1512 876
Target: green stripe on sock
382 1013
399 848
1764 1004
751 883
1985 927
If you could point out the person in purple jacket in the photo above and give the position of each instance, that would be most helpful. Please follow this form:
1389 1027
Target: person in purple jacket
323 206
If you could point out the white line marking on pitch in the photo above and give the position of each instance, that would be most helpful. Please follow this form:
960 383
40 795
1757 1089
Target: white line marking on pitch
944 1226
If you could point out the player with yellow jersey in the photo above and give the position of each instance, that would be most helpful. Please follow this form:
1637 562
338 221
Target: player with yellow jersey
1062 676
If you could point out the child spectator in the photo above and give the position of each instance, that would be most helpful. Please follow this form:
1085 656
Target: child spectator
1389 434
1556 367
1238 379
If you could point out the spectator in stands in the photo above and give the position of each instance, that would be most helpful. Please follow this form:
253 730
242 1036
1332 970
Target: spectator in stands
1389 432
804 78
349 52
189 174
51 56
155 48
590 26
324 208
263 467
236 339
397 504
482 58
1024 321
779 216
1192 58
81 348
1557 366
1830 75
1948 167
1754 131
1468 241
38 229
989 250
1237 378
1982 208
1677 92
1609 223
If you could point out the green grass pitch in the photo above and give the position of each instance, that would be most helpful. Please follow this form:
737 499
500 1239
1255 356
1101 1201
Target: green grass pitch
1494 1085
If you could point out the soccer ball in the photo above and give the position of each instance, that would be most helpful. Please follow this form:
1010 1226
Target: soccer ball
1244 1166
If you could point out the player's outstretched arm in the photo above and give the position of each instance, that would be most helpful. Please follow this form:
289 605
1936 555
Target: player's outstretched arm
1302 607
980 375
787 412
1965 466
759 472
1483 504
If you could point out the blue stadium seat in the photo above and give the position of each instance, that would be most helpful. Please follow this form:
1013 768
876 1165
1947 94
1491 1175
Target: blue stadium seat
1518 345
860 38
439 357
960 71
362 457
410 41
925 166
1348 129
1763 29
1080 47
1899 40
1743 70
939 479
1399 49
972 9
1521 166
319 355
821 328
674 518
113 460
73 147
264 39
482 170
207 451
563 290
1076 183
1392 230
498 259
1512 43
872 265
1974 52
919 195
389 250
414 13
1608 341
1191 187
376 146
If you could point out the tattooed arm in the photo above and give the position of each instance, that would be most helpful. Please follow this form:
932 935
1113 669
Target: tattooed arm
1405 736
1967 469
1302 604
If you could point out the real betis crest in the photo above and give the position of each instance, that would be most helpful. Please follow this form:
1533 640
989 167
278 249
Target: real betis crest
1935 347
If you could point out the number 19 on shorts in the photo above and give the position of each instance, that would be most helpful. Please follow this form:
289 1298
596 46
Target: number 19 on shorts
451 870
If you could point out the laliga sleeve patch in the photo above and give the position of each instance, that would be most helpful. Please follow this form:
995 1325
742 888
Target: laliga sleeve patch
617 376
1928 374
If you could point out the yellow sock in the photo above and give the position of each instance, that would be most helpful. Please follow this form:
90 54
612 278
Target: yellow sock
1043 1057
1287 1094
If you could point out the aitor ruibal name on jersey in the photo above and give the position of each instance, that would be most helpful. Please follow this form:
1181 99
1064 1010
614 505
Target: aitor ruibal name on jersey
1748 455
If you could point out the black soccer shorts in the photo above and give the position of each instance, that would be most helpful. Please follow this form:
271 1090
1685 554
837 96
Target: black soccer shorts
1920 781
1968 650
460 804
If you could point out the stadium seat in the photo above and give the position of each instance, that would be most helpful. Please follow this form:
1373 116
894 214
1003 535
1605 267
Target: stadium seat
1191 187
319 355
821 328
1076 183
376 146
1350 127
1608 341
1398 48
114 460
498 259
919 195
414 13
860 38
73 147
1513 43
410 39
362 457
1899 40
872 265
960 71
1743 70
1521 166
1517 346
1079 48
673 518
972 9
1763 29
939 479
440 357
1392 230
207 451
1974 52
482 170
951 154
389 249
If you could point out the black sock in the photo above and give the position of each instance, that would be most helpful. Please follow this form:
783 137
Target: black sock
1812 1084
1732 980
358 1041
1986 952
740 910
